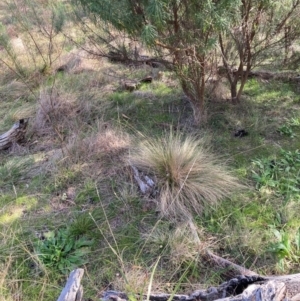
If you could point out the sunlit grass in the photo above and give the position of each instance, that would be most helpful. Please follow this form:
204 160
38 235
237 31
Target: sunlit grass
74 166
189 177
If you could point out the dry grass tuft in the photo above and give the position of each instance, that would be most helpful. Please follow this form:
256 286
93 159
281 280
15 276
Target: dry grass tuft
109 140
106 146
24 112
14 90
55 110
188 175
217 90
185 243
133 279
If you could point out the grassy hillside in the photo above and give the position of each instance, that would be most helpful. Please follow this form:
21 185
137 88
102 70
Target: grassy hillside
68 196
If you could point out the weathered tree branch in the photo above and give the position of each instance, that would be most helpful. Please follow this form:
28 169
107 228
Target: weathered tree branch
233 268
146 184
15 134
73 290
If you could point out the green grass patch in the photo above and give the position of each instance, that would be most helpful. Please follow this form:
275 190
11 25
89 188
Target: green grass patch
279 176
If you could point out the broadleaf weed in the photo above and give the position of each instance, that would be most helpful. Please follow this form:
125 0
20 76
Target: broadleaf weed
61 251
286 248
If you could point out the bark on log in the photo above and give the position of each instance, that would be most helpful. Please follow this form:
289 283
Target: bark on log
15 134
154 62
250 287
73 290
242 288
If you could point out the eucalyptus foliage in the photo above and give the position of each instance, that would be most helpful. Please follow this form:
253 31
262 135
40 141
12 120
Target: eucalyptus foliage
261 32
187 30
170 21
199 35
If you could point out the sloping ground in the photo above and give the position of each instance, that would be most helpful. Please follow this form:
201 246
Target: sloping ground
71 181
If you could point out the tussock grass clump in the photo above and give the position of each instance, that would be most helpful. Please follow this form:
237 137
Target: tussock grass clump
188 175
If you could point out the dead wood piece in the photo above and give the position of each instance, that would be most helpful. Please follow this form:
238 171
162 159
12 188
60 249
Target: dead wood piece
73 290
231 288
125 58
292 283
267 75
242 288
271 291
15 134
235 269
262 74
147 79
146 184
131 85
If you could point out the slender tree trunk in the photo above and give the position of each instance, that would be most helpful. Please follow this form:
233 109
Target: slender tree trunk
198 112
233 91
241 88
232 78
195 91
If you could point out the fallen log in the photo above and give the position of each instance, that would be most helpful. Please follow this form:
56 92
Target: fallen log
73 290
15 134
125 58
241 288
247 286
131 85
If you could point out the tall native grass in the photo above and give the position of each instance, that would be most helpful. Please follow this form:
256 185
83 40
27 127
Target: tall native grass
188 175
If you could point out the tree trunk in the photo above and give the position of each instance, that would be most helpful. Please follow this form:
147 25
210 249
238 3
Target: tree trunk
233 91
194 89
198 112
